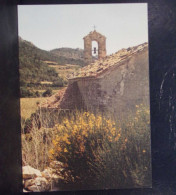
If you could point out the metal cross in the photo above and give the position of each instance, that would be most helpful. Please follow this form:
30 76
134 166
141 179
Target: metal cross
94 27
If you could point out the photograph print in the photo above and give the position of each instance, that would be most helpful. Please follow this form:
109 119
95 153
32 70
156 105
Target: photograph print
84 96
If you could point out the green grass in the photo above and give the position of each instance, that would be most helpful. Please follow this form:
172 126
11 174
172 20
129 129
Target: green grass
64 70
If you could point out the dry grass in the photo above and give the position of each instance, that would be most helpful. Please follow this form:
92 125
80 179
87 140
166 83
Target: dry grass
29 106
37 143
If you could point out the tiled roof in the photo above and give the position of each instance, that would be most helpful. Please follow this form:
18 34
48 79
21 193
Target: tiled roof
100 66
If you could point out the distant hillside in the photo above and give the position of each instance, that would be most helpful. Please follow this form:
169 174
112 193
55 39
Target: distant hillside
60 56
33 71
74 55
29 49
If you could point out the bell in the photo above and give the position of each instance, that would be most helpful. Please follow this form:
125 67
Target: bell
94 50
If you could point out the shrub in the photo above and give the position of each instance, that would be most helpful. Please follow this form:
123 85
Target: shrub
99 153
36 140
47 93
58 83
37 94
37 136
126 163
24 92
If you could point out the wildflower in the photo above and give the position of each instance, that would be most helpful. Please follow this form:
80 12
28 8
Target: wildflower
59 149
85 133
51 151
55 142
116 138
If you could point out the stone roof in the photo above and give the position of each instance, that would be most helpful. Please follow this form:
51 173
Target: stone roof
100 66
93 33
63 99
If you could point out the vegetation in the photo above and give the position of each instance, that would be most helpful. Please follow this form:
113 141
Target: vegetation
96 151
36 74
33 71
69 56
47 93
29 106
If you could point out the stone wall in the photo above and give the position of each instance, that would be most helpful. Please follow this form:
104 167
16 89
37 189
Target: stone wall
115 84
121 88
100 39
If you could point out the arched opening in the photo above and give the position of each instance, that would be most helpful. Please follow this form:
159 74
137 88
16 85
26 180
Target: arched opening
95 49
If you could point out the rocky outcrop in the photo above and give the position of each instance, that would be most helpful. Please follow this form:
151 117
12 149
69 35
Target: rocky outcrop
37 181
29 172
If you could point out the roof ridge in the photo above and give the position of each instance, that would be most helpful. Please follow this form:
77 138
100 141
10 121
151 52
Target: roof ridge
99 66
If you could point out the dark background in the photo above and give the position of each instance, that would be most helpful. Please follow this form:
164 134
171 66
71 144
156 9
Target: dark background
162 58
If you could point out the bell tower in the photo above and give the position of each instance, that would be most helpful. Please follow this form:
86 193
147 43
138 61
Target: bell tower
101 41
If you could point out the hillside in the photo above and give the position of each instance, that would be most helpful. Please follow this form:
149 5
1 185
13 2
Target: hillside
33 71
29 49
60 56
39 68
69 55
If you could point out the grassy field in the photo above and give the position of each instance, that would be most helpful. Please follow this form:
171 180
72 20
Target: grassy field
29 106
43 90
65 70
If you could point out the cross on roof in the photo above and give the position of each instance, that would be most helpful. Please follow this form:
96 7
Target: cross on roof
94 27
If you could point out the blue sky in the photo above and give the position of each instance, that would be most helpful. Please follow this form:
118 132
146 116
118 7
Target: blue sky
55 26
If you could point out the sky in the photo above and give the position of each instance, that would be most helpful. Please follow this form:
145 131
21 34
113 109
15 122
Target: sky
55 26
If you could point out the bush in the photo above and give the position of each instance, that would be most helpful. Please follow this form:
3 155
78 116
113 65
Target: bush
37 94
47 93
36 140
24 92
99 153
126 163
58 83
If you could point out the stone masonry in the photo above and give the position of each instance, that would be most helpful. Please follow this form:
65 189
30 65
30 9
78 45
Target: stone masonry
114 84
100 39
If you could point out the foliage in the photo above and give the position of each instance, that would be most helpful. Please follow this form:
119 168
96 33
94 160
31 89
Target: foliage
69 56
24 92
33 70
47 93
59 83
98 152
36 140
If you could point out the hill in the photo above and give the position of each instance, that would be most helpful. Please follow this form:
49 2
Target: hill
69 55
39 68
33 70
59 56
32 51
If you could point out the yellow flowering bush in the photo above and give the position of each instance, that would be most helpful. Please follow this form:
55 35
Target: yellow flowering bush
126 163
98 152
78 137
